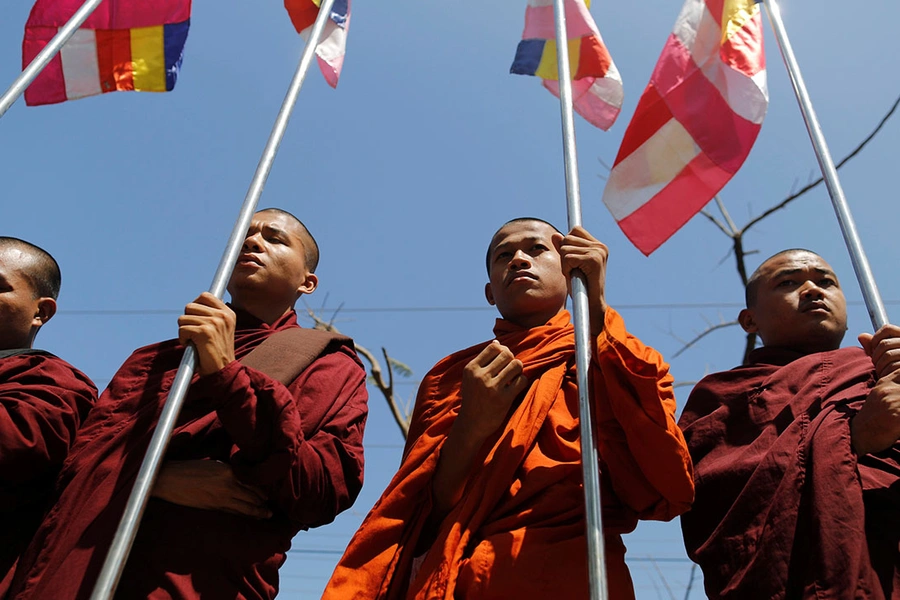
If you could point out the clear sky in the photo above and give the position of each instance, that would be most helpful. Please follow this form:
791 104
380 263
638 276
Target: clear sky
403 173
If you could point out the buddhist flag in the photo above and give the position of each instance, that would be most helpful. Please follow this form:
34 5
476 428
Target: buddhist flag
125 45
596 85
695 124
333 45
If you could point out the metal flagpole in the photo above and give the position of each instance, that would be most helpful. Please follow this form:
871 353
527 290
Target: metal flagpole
872 297
589 455
121 545
46 55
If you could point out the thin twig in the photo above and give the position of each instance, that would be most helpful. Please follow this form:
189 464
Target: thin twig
705 333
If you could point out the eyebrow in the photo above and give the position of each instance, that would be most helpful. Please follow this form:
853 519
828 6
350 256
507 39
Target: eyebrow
531 239
786 272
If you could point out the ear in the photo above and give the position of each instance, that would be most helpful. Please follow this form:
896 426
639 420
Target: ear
748 323
45 309
309 284
489 294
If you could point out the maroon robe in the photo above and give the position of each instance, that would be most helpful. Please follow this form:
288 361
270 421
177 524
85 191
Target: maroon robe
784 508
302 444
43 400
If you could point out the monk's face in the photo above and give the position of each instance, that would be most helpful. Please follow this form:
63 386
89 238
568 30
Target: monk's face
21 311
799 304
527 284
272 263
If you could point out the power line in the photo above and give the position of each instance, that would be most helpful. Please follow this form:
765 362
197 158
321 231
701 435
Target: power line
423 309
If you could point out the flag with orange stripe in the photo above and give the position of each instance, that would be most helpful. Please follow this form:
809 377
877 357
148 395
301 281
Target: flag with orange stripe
695 124
124 45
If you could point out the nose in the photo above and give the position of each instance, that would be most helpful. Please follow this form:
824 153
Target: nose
251 243
520 260
811 291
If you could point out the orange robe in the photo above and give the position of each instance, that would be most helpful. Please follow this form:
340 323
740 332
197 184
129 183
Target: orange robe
518 531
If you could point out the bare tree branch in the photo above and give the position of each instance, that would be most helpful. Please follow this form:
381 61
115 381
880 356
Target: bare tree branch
702 335
716 222
818 181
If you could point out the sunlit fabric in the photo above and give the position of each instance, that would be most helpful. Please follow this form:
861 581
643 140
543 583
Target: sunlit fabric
123 46
596 85
694 125
333 43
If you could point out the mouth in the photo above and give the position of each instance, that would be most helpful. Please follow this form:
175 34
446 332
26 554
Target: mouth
246 260
816 306
520 276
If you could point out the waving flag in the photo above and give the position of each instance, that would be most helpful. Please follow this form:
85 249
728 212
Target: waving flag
596 85
333 45
695 123
124 45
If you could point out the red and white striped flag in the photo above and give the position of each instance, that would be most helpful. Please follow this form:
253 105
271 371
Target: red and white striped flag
694 125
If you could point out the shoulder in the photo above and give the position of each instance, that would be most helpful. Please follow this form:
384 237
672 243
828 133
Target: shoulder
39 366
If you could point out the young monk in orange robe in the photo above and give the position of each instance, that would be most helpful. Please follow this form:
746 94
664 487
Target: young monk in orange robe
488 502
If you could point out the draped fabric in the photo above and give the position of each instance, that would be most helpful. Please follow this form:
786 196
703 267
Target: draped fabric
784 507
43 401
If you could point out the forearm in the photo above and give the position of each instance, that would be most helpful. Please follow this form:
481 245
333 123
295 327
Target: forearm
645 451
302 444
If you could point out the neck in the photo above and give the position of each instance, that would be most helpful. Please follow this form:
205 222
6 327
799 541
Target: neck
532 320
263 310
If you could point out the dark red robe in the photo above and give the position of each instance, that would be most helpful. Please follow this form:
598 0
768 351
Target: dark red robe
43 400
302 445
784 508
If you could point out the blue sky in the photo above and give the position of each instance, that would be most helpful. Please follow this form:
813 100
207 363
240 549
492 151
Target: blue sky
403 173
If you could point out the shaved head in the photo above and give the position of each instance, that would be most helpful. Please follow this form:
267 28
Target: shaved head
42 270
487 258
750 292
310 247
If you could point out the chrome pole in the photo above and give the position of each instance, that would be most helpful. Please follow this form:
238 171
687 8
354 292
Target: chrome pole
589 454
872 297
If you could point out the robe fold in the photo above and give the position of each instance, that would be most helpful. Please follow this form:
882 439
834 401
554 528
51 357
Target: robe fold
518 531
785 509
43 400
302 444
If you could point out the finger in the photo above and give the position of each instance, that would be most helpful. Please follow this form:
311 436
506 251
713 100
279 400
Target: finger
865 340
487 355
500 362
557 240
517 385
207 299
886 362
509 373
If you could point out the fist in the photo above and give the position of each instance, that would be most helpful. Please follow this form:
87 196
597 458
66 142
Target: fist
208 324
490 384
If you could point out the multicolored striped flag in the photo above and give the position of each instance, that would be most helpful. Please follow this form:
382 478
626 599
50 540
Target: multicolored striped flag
695 124
596 86
124 45
333 45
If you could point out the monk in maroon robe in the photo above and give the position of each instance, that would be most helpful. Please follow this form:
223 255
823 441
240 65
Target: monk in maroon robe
251 462
43 399
796 460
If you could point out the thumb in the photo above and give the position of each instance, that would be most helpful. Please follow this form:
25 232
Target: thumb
865 340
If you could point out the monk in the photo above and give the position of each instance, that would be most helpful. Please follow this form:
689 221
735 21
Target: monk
488 501
797 465
43 399
256 455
